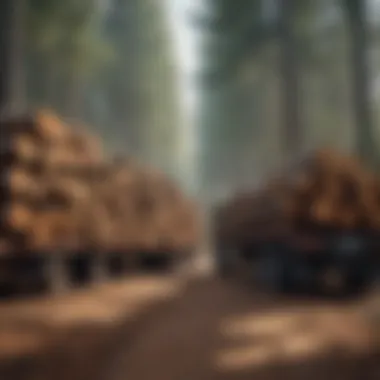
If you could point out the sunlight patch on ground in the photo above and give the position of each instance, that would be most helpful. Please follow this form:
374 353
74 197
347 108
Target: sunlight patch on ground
302 345
241 358
28 325
262 339
290 347
99 304
16 342
258 325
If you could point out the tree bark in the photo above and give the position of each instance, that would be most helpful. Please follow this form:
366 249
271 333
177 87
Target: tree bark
292 133
356 20
18 79
50 84
74 97
5 22
12 73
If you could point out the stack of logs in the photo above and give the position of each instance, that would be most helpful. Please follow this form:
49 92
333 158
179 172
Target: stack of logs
59 192
324 190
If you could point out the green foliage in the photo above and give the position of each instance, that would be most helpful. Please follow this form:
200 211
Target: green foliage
69 32
111 66
141 84
239 39
232 31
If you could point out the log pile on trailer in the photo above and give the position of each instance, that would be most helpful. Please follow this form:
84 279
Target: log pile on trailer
59 192
323 190
314 227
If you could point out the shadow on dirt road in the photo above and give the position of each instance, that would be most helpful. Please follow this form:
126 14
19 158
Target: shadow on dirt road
215 330
220 330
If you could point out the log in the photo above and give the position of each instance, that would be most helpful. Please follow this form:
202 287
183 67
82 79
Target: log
85 147
79 200
17 217
43 124
66 192
325 189
19 148
17 182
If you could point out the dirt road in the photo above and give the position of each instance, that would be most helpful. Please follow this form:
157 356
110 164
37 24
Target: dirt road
67 337
207 330
220 330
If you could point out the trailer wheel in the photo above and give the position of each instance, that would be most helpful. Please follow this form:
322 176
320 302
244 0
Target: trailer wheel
99 267
225 262
56 273
333 282
359 284
270 271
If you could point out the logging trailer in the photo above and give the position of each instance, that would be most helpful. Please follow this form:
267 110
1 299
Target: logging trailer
281 255
332 262
313 227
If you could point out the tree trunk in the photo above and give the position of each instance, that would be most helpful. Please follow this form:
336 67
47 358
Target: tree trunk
74 101
355 10
17 77
12 73
51 85
5 43
292 133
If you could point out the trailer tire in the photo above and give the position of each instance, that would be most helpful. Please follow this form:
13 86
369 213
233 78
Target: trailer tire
359 285
56 273
224 262
270 272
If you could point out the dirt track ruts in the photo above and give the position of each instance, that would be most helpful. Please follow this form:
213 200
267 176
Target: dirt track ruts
219 330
